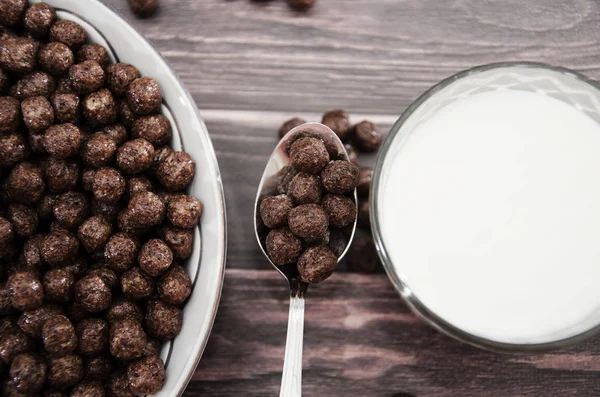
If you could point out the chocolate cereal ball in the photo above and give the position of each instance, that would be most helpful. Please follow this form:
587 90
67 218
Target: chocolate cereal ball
139 184
301 5
109 185
106 274
179 240
174 286
18 54
61 175
65 372
340 177
144 96
66 108
155 128
136 285
56 58
305 189
160 154
339 122
86 77
31 255
58 285
146 209
135 156
10 114
163 321
108 211
120 251
290 125
93 52
176 171
45 206
365 177
92 334
123 309
283 246
127 339
64 86
309 154
11 12
59 247
26 291
24 219
119 76
127 116
117 132
146 375
155 257
99 150
28 373
92 293
118 385
99 367
32 321
5 305
34 84
38 113
143 8
94 233
13 149
184 211
69 33
309 222
274 210
59 336
12 343
62 140
316 264
71 209
38 19
100 108
341 209
88 389
25 183
366 137
7 232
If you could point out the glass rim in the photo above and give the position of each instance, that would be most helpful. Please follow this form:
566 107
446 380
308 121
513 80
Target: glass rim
401 285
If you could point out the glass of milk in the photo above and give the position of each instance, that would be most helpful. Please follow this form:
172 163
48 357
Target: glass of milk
486 207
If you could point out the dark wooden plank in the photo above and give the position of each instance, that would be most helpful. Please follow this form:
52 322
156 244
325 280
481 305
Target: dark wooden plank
361 340
372 56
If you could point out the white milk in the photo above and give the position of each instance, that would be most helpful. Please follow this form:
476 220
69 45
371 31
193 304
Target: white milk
490 213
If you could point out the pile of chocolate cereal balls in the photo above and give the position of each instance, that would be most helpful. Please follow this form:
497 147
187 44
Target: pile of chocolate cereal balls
94 220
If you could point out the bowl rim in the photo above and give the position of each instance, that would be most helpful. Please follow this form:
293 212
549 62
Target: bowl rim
418 307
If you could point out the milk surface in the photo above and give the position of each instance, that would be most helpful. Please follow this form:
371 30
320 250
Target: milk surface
490 213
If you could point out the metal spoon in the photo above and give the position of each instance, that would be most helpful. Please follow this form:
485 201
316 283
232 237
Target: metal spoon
274 181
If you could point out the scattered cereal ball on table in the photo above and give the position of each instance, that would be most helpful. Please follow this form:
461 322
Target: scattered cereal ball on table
163 320
94 233
62 140
99 150
58 285
109 185
28 373
118 385
69 33
339 122
143 8
93 52
59 247
146 209
144 96
71 209
38 113
316 264
135 156
365 177
86 77
283 246
61 175
39 18
99 367
341 209
127 339
155 257
155 128
66 108
25 183
65 372
26 291
290 125
274 210
174 286
309 222
367 137
92 334
24 219
10 114
340 177
179 240
12 11
146 375
100 108
18 54
13 149
362 256
92 293
123 309
120 251
364 218
136 285
34 84
309 154
176 171
88 389
301 4
184 211
59 336
305 188
119 76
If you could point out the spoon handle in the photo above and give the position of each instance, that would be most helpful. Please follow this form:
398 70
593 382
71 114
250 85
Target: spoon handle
291 383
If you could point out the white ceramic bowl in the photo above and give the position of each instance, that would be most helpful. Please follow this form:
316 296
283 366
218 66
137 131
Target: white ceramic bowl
207 264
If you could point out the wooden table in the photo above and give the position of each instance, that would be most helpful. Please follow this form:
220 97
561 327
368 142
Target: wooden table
250 66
